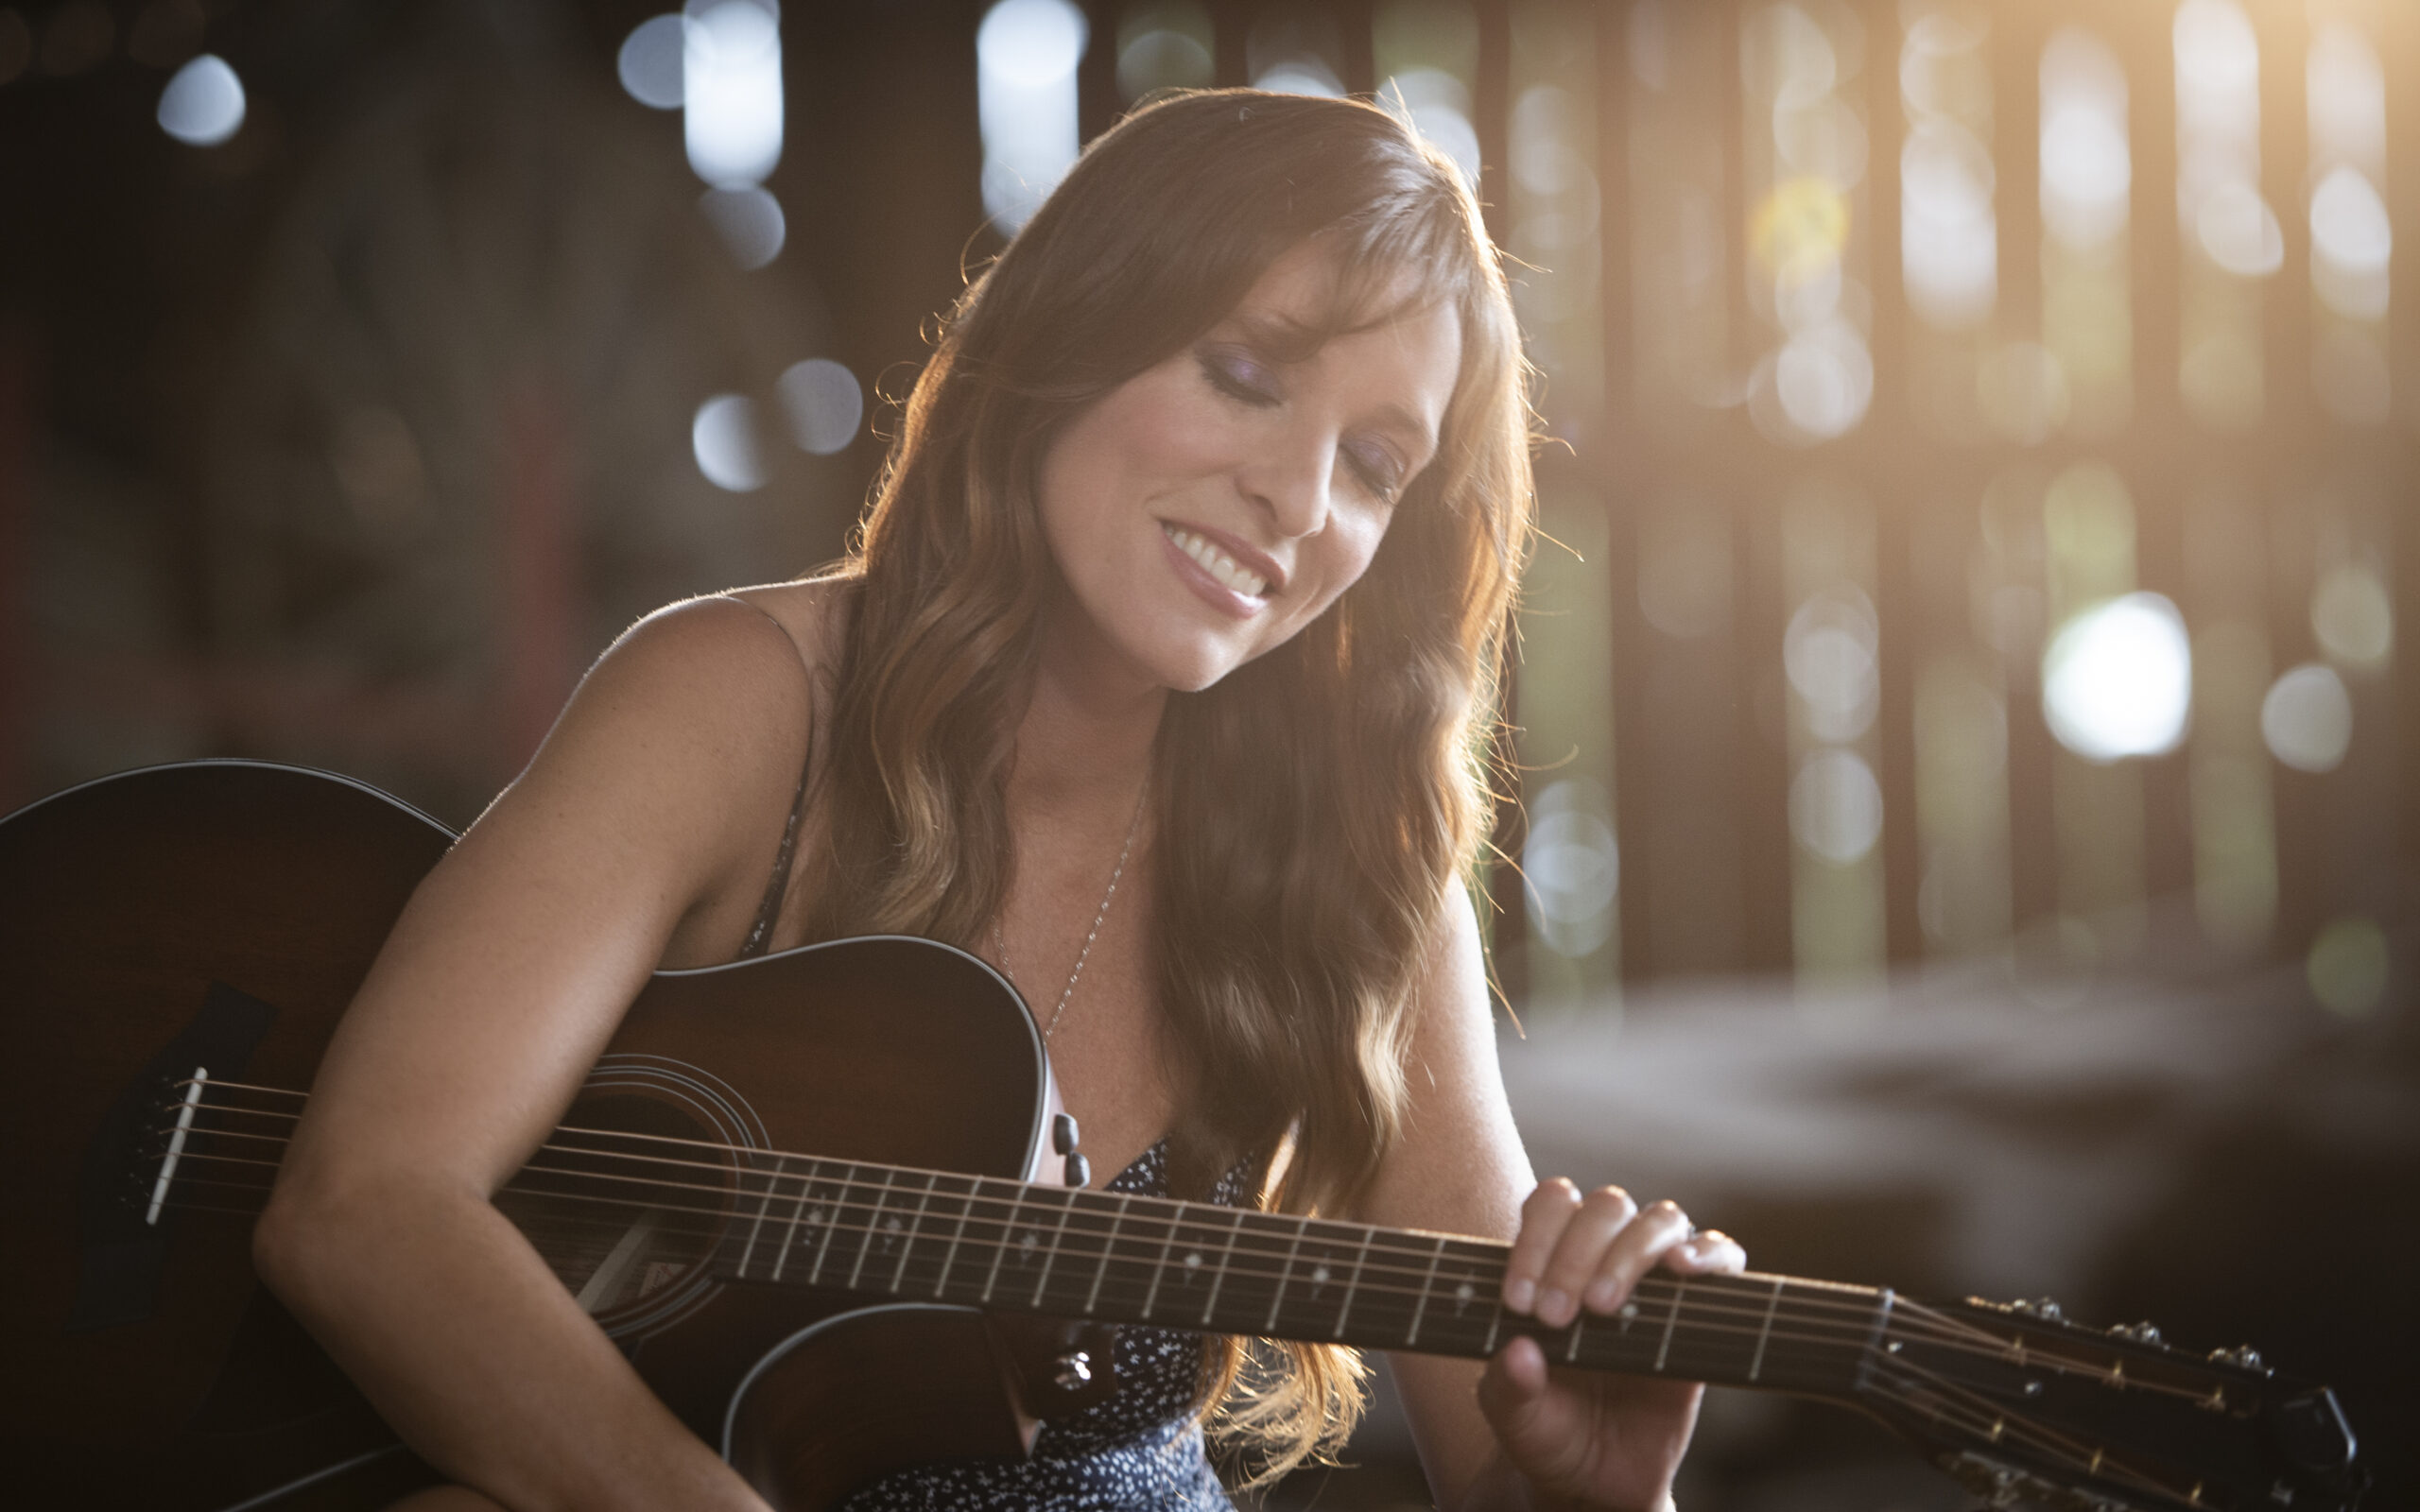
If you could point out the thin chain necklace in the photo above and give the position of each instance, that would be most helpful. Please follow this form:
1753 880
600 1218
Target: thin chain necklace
1000 944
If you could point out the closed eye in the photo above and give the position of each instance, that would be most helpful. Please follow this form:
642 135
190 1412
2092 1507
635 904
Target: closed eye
1239 378
1377 469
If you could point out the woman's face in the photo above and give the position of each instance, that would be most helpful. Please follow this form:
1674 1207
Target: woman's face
1209 507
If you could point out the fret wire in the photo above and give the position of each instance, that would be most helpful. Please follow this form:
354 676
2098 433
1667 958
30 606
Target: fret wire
1051 1255
1108 1247
874 1225
1220 1280
1671 1320
907 1244
1350 1287
1159 1272
789 1238
1427 1284
763 1206
1008 1226
957 1236
1756 1365
830 1226
1287 1275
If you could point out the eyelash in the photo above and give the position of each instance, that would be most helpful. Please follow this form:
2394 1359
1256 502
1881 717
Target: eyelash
1376 478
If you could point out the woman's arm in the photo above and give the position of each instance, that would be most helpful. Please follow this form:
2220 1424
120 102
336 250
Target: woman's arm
1513 1433
647 821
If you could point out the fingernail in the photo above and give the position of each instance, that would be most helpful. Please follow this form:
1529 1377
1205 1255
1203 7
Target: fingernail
1520 1294
1555 1306
1602 1293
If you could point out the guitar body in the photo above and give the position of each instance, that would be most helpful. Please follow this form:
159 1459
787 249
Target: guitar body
221 914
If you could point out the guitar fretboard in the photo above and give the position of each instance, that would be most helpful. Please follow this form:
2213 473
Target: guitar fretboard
1014 1246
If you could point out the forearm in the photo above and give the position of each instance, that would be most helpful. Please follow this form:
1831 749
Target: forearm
465 1341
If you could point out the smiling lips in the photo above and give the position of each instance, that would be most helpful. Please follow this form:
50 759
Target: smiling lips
1225 569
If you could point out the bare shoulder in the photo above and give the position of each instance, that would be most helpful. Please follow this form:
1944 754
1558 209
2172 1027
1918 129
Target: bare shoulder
811 612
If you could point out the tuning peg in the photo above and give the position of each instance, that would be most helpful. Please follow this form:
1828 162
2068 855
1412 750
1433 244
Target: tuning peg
1078 1171
1063 1133
2045 1308
2243 1357
2145 1333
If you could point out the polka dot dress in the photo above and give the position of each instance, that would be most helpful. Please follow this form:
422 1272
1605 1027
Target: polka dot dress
1139 1449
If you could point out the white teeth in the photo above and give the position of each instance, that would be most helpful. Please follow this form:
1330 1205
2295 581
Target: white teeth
1218 563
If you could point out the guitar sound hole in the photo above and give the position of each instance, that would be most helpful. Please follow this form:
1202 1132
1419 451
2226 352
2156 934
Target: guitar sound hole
625 1215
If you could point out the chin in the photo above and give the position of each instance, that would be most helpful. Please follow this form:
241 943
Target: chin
1191 668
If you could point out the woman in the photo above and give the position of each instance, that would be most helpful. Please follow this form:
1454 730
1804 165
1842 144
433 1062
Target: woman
1157 677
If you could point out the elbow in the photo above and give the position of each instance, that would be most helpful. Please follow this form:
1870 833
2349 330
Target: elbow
317 1240
292 1242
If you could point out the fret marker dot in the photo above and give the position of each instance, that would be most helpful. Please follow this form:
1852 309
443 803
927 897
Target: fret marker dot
1629 1309
1318 1275
815 1219
1193 1260
1463 1293
893 1225
1028 1242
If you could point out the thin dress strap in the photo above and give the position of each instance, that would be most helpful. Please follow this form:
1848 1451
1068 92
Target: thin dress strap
761 933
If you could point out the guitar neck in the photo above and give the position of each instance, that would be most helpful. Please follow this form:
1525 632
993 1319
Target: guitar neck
1015 1246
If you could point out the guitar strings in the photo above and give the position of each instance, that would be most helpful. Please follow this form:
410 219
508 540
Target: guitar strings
1944 1332
978 1243
1782 1340
1833 1338
1646 1295
772 1216
2037 1436
1416 1258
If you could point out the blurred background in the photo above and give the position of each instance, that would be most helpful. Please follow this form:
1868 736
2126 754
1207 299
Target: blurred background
1967 713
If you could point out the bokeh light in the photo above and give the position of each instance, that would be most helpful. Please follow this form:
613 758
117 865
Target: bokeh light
1949 236
204 104
1572 865
1829 655
2306 719
2349 965
724 440
652 61
1026 54
1836 807
2352 244
2354 618
730 89
824 403
1816 387
2238 232
2087 167
2118 679
1166 45
749 220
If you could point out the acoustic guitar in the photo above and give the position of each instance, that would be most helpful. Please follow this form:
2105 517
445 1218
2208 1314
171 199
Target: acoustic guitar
805 1195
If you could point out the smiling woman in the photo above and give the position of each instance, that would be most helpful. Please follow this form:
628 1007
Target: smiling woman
1162 669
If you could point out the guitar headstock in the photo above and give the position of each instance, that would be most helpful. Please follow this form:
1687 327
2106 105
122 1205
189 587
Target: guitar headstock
2023 1405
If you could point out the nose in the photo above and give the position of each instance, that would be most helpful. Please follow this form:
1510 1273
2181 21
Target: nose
1292 481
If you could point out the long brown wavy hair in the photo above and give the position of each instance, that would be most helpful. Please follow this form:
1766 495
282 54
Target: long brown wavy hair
1314 808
